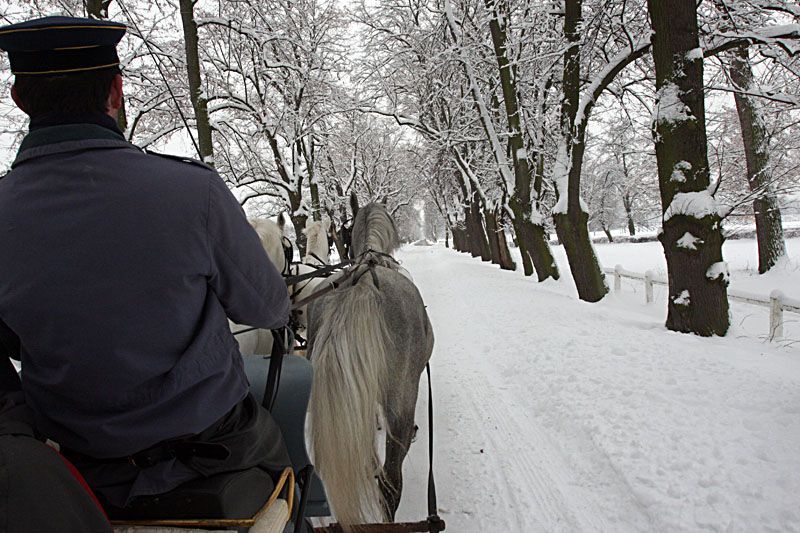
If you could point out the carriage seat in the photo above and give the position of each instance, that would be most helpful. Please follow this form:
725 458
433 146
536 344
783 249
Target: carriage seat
289 411
228 495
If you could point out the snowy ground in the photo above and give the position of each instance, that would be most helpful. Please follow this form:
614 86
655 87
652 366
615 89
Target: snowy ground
557 415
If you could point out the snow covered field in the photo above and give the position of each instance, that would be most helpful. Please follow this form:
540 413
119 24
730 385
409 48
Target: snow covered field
557 415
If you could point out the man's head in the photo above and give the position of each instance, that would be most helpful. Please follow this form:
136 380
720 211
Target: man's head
65 65
82 93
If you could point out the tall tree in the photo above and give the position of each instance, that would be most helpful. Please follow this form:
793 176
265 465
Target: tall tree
196 93
769 229
570 214
528 222
691 235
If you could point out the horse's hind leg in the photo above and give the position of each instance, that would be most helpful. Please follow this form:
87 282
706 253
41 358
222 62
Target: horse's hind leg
399 416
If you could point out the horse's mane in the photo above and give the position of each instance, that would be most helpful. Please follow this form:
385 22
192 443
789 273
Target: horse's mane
374 229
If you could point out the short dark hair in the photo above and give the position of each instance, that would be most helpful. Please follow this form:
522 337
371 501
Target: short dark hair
74 93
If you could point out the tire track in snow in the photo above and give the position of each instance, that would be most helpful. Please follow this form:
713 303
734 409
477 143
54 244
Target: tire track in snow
528 482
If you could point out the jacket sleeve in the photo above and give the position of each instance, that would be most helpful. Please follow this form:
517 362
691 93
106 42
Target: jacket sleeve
242 276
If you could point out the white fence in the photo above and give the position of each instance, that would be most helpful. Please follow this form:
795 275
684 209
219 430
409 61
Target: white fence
776 302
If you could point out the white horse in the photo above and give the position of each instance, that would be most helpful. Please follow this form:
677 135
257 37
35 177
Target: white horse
369 341
259 341
317 254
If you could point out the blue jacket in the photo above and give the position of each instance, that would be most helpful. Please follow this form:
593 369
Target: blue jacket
118 271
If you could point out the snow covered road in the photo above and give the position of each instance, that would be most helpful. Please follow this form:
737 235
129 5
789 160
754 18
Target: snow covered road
557 415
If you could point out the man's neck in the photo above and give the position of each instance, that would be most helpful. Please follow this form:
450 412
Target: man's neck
60 119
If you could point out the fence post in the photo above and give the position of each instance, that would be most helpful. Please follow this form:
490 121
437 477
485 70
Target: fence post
648 287
775 315
617 278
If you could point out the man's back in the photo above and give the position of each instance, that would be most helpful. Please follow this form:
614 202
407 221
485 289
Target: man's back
117 270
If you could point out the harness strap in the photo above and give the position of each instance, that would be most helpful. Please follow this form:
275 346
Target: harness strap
322 262
435 523
320 272
280 343
321 292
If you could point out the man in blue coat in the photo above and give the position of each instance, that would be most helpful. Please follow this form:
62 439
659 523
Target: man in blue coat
118 272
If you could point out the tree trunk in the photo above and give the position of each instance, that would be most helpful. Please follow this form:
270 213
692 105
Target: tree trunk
627 203
299 222
769 229
491 232
199 101
477 243
691 236
460 239
531 236
497 236
447 237
608 234
337 240
572 220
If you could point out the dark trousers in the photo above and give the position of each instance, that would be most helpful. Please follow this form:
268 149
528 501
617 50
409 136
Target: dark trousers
248 432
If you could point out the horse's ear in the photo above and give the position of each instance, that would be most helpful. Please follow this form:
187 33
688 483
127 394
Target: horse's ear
281 221
354 204
326 223
384 200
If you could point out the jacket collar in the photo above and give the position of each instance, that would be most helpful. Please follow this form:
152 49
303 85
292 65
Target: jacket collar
68 137
59 119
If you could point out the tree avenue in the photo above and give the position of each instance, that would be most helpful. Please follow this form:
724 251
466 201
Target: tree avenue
505 128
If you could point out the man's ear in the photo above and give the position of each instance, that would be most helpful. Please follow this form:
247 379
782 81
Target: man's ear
15 97
114 102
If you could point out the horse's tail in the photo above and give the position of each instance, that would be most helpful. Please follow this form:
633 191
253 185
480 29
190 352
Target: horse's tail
349 353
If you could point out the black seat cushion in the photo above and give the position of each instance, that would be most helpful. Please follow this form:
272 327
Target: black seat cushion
229 495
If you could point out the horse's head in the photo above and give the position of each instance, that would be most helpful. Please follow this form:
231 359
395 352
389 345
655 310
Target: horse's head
317 246
374 229
272 239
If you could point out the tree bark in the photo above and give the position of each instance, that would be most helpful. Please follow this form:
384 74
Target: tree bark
626 201
199 102
479 243
501 255
572 222
769 228
531 236
299 223
459 238
491 232
691 235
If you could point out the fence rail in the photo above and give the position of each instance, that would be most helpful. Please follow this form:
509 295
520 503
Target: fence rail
777 302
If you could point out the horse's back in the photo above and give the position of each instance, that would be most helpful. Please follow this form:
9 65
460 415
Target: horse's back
402 311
